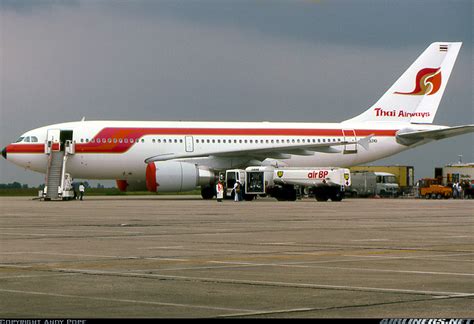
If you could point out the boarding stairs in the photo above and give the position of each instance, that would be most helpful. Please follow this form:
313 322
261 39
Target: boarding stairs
57 181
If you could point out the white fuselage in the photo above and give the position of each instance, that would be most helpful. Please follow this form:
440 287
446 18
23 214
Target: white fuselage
118 149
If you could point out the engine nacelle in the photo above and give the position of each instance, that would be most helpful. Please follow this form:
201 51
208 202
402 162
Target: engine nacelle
173 176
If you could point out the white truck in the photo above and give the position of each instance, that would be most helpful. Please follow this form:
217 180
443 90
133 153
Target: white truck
286 183
369 184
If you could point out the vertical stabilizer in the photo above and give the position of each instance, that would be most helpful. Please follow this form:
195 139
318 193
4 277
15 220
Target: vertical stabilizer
416 95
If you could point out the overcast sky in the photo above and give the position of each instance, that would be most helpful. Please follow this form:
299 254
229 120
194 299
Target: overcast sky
321 61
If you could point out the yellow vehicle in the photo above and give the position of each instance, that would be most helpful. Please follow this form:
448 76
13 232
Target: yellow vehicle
431 188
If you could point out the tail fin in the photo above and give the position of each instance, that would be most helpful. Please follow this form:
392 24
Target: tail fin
416 95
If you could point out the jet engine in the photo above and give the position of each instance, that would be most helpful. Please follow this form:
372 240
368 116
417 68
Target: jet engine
174 176
131 185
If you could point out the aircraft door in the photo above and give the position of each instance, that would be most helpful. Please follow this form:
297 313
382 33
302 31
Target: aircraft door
53 140
350 136
65 136
189 144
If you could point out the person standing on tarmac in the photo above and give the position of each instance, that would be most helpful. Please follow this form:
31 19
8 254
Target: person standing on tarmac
219 191
73 185
237 189
81 190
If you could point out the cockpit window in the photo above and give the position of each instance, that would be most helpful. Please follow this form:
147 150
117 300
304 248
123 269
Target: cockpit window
27 139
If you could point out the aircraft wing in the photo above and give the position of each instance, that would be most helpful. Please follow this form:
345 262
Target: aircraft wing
437 134
275 152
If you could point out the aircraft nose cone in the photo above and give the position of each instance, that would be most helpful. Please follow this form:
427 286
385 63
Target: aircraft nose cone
4 152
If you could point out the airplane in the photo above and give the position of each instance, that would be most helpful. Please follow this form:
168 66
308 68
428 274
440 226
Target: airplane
172 156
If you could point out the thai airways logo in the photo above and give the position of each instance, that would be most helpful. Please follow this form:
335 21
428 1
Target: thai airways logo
428 82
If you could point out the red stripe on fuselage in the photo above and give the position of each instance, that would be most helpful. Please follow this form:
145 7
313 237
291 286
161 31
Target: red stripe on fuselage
25 148
100 143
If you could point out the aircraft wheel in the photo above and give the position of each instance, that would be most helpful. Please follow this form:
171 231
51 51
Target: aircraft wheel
321 197
249 197
207 193
337 197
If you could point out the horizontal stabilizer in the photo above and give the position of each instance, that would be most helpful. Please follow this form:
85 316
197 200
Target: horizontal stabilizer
409 137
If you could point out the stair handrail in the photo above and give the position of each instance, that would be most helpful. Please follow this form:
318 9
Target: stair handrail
48 170
63 174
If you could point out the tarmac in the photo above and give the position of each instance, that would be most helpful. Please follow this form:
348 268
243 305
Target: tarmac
181 257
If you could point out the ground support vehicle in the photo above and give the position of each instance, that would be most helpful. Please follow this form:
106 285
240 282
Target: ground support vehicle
285 184
404 175
431 188
370 184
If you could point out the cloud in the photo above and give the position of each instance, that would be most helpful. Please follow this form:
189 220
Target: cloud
233 61
32 6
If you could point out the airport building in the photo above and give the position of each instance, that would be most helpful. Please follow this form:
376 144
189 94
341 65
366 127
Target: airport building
458 172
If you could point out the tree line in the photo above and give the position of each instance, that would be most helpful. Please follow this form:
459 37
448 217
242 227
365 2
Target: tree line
18 185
